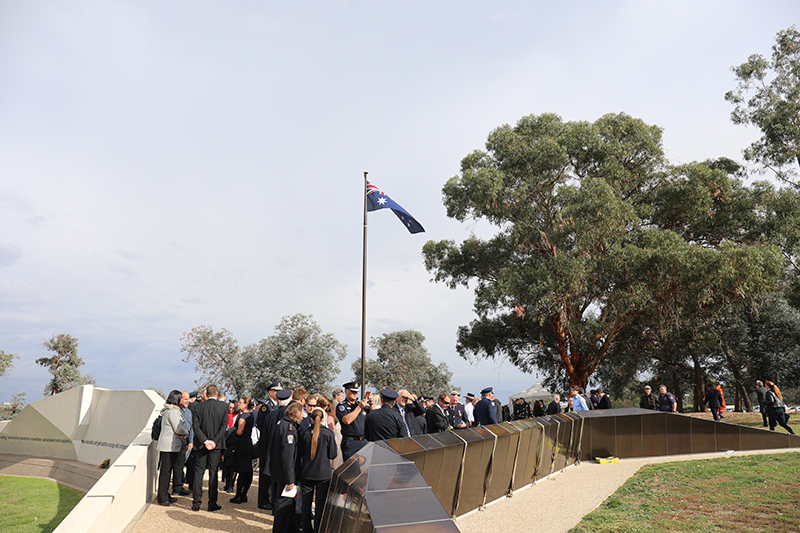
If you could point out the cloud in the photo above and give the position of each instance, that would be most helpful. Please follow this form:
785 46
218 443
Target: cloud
9 254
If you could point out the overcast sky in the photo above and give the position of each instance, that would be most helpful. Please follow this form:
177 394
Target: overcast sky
165 165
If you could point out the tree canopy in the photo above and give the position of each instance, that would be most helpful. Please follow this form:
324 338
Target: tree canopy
64 364
6 362
298 353
768 97
403 362
596 236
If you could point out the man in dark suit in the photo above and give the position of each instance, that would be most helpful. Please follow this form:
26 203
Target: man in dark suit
555 406
210 421
437 415
412 412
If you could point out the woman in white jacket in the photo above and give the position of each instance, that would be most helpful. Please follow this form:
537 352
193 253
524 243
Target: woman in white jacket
169 444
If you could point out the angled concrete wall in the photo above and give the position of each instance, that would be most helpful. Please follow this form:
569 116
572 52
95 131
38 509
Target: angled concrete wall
72 433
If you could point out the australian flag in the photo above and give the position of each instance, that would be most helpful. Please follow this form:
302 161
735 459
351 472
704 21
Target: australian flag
377 199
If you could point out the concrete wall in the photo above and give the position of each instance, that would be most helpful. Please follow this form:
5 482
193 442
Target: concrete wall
67 436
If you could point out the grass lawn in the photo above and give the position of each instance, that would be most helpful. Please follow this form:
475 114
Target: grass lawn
735 494
34 505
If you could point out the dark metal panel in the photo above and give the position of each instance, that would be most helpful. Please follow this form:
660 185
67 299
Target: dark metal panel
476 468
441 526
332 517
523 453
586 439
654 434
450 469
511 458
575 439
499 484
434 452
534 452
604 441
763 439
562 441
398 476
704 435
629 436
728 437
550 436
679 434
391 508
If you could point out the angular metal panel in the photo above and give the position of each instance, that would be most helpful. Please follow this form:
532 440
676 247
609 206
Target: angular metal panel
549 438
523 453
442 526
728 437
385 508
604 436
511 458
654 433
575 439
499 484
534 452
450 469
562 441
629 435
586 439
476 468
679 434
704 435
432 464
761 439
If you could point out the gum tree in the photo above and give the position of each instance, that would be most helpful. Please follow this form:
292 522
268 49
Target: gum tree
578 259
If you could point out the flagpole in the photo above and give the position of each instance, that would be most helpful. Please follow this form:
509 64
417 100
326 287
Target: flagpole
364 293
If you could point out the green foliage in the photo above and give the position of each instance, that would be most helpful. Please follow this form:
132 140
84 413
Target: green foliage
298 353
17 404
403 362
597 238
6 362
63 364
774 106
33 505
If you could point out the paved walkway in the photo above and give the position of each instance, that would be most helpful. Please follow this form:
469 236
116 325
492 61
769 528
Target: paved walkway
548 504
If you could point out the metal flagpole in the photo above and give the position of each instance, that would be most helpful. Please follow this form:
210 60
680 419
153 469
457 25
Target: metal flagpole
364 294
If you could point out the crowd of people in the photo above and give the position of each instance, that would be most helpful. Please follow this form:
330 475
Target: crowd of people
299 438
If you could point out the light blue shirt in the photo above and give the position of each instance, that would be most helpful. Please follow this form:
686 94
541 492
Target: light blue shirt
579 404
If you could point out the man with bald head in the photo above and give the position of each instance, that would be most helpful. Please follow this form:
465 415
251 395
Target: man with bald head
412 413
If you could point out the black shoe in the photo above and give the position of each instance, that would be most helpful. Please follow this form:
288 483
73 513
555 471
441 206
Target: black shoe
215 507
243 497
226 489
195 507
267 507
165 504
236 499
180 492
172 500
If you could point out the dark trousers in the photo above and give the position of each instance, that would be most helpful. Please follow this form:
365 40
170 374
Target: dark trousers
763 411
177 468
778 416
350 447
264 483
314 490
243 482
167 461
190 470
283 514
205 459
715 412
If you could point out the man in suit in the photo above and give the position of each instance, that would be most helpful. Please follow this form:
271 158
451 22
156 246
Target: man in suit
554 407
437 415
210 422
412 412
485 412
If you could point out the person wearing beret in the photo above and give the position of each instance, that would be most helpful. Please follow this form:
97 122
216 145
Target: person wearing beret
385 423
485 412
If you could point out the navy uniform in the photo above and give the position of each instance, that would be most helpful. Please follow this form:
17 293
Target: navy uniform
352 433
264 501
269 425
485 412
385 423
283 468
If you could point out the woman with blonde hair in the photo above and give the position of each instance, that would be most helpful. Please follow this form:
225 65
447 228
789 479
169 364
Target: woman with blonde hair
776 409
318 447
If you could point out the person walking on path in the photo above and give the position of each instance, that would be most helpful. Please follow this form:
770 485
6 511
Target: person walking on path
761 392
777 409
713 401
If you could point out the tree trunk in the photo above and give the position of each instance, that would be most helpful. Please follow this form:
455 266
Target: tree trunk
699 385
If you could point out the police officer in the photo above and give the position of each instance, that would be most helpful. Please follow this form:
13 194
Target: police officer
269 424
485 412
284 467
352 415
261 417
385 423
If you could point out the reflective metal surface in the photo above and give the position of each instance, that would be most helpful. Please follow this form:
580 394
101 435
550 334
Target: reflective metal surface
416 484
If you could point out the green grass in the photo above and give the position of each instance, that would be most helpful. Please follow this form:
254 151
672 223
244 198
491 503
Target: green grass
738 494
29 505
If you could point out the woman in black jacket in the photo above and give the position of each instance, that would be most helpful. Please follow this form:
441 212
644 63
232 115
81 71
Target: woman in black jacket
243 457
318 446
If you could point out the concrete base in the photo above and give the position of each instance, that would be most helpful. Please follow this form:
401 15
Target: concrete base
72 474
